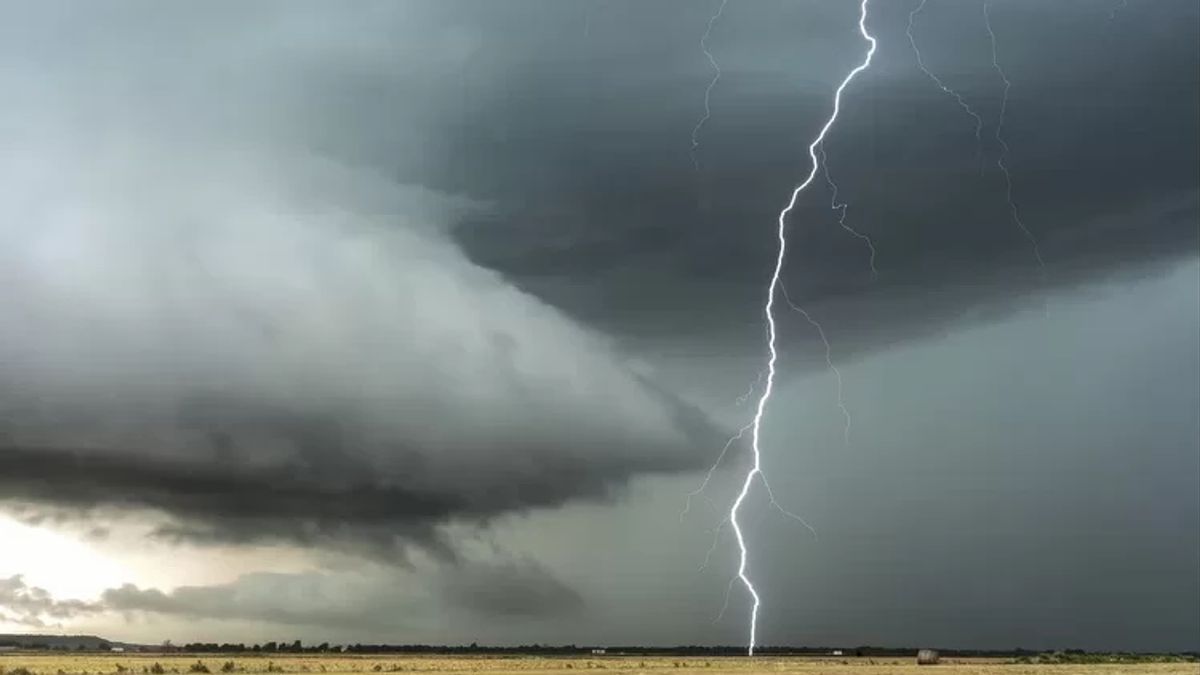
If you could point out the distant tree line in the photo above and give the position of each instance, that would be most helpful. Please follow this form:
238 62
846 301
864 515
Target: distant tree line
88 643
297 647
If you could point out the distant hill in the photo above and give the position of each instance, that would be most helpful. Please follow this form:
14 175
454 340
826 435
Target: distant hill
71 642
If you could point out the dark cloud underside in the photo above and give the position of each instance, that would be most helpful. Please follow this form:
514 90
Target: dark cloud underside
351 277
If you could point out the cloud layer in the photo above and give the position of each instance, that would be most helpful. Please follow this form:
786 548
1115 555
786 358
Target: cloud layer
368 278
207 318
370 600
32 606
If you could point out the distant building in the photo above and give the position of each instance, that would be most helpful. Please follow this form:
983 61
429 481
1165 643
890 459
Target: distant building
927 657
599 651
837 652
118 650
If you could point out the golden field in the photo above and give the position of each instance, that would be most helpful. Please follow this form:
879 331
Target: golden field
172 664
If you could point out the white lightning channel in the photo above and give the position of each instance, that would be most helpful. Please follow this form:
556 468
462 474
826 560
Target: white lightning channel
711 83
729 588
781 234
962 103
1001 161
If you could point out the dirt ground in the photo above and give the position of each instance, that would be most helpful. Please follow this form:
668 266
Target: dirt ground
144 664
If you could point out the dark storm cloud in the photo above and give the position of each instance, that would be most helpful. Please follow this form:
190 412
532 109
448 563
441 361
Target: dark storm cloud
223 502
241 498
216 311
304 272
512 590
600 211
572 121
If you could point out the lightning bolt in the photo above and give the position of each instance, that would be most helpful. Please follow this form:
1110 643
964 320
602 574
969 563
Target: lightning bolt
729 588
711 83
962 103
1002 160
755 471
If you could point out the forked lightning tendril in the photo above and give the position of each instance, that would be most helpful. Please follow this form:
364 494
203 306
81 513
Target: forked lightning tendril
1002 160
711 83
781 234
741 399
840 207
711 470
837 374
962 103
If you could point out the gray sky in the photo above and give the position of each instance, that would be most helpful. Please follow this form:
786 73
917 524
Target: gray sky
401 318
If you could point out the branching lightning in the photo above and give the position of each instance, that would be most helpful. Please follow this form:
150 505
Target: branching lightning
781 234
741 399
785 512
711 83
713 548
1002 160
837 374
819 162
725 605
962 103
711 470
840 207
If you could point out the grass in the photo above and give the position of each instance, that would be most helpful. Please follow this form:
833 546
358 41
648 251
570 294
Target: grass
178 664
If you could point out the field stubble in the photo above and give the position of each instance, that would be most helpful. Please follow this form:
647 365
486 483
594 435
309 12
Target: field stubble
177 664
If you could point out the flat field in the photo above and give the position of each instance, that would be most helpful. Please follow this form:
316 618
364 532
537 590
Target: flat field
172 664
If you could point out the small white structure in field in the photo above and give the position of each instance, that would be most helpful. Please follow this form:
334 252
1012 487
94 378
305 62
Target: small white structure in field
599 651
837 652
118 650
927 657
